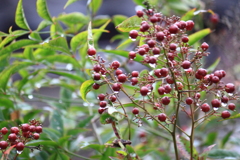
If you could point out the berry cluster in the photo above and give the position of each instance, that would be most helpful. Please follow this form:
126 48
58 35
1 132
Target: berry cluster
19 136
176 73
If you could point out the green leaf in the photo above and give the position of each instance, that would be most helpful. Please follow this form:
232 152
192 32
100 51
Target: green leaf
132 23
59 44
125 43
90 36
222 154
94 5
210 139
2 34
6 102
42 10
97 35
69 75
188 15
226 138
41 142
20 18
213 66
12 36
83 123
58 156
100 20
139 2
205 152
5 74
69 2
96 147
186 144
115 113
56 30
117 19
73 18
28 53
43 25
35 36
30 115
195 37
85 88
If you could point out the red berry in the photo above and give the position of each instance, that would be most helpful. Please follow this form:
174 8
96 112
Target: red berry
38 129
165 100
132 54
153 19
189 100
162 117
19 146
169 80
118 72
146 47
189 25
202 72
25 127
156 50
101 110
144 91
139 13
229 88
101 97
181 24
161 90
97 68
122 78
113 98
116 87
224 99
179 85
216 103
12 137
185 39
96 86
4 130
204 46
157 73
205 107
144 27
152 60
96 76
167 88
160 36
32 128
91 51
142 135
134 81
225 114
214 18
135 73
173 29
186 64
135 111
218 73
14 130
103 104
36 136
3 145
151 43
223 73
133 34
197 95
231 106
141 51
115 65
170 56
26 134
164 72
173 46
215 79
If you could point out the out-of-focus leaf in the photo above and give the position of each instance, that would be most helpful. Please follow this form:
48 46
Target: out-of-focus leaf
90 36
188 15
94 5
186 144
69 75
117 19
125 43
205 152
83 123
35 36
30 115
56 30
213 66
210 139
69 2
115 113
85 88
226 138
43 25
41 142
20 18
223 154
73 18
100 20
195 37
42 10
28 53
12 36
2 34
132 23
232 117
6 102
96 147
58 156
178 5
139 2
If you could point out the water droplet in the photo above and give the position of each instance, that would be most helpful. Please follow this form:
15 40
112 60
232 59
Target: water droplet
116 92
19 152
85 104
30 96
69 66
133 155
224 104
219 94
230 94
215 108
197 104
140 125
133 39
153 65
156 55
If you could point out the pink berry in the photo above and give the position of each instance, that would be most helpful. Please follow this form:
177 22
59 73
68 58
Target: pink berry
132 54
153 19
161 90
151 43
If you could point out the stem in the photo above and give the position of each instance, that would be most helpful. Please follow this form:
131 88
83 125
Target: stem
76 155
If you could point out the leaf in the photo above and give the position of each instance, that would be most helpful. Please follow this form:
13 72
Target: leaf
195 37
12 36
69 75
226 138
81 38
210 139
41 142
222 154
56 122
97 35
205 152
59 44
83 123
115 113
85 88
73 18
43 25
90 36
69 2
117 19
132 23
31 114
42 10
6 102
100 20
186 144
94 5
56 30
139 2
96 147
232 117
35 36
125 43
20 18
2 34
188 15
28 53
213 66
5 74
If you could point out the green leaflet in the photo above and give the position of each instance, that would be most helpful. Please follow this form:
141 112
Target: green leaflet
195 37
42 10
85 88
20 18
132 23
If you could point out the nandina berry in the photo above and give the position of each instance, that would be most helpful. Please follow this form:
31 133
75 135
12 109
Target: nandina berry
156 50
157 73
146 47
181 24
160 36
202 72
12 137
162 117
112 98
19 146
205 107
164 72
152 60
173 46
179 85
115 65
142 134
167 88
32 128
139 13
214 18
215 79
169 80
135 111
133 34
189 100
103 104
25 127
96 86
197 95
97 68
118 72
134 81
218 73
38 129
96 76
170 56
135 73
161 90
229 88
122 78
144 27
223 73
231 106
116 87
26 134
101 97
225 114
186 64
132 54
216 103
189 25
173 29
14 130
3 145
165 100
141 51
204 46
36 136
101 110
185 39
91 51
4 130
198 76
153 19
151 43
224 99
144 91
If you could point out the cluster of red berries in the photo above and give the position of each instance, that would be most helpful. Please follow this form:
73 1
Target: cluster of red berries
167 52
19 136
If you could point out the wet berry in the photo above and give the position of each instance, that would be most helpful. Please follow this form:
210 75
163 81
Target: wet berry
19 146
185 39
